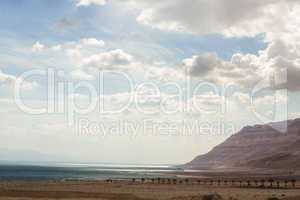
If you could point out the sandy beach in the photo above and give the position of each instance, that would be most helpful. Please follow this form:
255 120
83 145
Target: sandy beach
122 190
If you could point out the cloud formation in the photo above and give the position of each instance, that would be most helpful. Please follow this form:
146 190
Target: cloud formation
74 45
90 2
201 64
230 17
38 47
89 55
279 61
108 60
92 42
278 20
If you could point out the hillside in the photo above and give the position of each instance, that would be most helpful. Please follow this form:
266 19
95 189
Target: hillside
259 146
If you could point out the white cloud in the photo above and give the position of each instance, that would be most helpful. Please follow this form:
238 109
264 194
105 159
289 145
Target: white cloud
92 42
38 47
57 47
278 19
74 50
108 60
280 62
74 53
87 55
230 17
90 2
69 46
201 64
241 70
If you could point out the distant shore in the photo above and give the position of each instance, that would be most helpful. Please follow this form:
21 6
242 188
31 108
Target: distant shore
144 183
244 174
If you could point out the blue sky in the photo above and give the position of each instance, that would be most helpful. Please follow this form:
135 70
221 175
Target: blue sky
24 22
184 47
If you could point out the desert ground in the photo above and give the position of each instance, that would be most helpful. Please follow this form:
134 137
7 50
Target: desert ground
128 190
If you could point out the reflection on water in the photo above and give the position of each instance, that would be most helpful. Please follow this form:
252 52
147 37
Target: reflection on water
63 171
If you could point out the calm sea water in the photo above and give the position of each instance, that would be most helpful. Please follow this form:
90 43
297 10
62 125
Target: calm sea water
82 172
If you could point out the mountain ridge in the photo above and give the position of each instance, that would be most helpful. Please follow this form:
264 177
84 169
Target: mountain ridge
271 146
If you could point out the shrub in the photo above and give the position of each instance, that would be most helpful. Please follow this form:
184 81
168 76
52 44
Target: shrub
212 197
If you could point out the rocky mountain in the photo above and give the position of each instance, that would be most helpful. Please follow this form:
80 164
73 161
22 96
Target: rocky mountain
270 146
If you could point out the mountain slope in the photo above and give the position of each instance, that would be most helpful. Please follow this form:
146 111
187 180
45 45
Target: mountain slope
259 146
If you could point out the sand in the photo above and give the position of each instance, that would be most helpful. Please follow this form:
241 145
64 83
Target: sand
84 190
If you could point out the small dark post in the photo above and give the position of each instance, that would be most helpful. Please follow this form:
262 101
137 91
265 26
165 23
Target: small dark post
174 181
278 184
232 182
169 181
271 181
293 183
186 181
248 183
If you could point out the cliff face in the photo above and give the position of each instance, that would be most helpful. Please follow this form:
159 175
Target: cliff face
259 146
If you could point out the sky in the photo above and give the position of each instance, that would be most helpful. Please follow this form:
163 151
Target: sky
143 82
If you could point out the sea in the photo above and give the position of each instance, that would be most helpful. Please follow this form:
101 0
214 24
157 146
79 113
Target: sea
86 172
